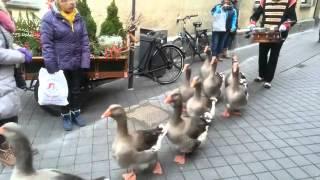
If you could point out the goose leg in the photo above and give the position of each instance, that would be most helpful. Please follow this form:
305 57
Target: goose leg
226 113
236 113
180 159
129 176
157 169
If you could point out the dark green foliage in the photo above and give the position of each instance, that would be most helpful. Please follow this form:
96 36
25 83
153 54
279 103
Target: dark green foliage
112 25
85 12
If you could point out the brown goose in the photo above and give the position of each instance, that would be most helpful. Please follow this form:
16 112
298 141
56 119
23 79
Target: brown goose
187 133
136 150
24 169
197 105
205 68
236 94
228 77
212 84
186 90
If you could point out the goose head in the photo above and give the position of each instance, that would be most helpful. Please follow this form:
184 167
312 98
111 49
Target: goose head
207 50
117 113
235 67
10 130
174 98
196 83
214 63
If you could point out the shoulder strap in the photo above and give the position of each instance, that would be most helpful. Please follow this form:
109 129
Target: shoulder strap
5 39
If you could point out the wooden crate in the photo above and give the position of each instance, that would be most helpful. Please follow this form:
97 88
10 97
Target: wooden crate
100 68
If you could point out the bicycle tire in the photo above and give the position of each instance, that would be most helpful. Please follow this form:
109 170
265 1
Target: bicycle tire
171 60
184 46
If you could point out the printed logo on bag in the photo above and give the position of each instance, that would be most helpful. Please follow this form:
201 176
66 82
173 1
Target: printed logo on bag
51 86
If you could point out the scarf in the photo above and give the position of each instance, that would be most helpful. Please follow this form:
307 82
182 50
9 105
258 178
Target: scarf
6 21
70 17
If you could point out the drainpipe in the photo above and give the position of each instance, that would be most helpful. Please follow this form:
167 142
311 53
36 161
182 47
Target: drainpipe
316 13
131 48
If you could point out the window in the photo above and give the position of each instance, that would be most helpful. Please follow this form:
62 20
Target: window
306 3
25 4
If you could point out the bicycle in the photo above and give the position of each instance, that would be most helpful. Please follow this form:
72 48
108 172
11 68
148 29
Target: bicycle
192 45
161 62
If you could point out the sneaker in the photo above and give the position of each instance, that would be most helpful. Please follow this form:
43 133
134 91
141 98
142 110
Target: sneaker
67 121
7 156
258 79
267 85
76 118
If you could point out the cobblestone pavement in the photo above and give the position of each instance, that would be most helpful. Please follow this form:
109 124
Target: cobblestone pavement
277 137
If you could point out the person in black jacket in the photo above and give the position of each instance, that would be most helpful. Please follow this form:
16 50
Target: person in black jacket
276 14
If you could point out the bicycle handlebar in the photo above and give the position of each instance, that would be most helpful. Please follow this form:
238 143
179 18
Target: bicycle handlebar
186 17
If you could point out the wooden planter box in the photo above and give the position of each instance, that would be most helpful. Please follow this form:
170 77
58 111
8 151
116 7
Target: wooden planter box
100 68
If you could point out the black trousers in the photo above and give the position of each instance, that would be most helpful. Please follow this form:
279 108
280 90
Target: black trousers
74 81
267 66
4 121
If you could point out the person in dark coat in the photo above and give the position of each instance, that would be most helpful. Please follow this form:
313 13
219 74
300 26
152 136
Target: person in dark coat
276 14
65 46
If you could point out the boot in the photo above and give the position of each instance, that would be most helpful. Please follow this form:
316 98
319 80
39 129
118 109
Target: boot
76 118
67 121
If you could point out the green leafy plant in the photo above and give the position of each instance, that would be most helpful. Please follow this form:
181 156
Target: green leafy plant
112 25
27 33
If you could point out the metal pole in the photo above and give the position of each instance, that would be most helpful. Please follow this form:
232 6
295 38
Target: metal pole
131 51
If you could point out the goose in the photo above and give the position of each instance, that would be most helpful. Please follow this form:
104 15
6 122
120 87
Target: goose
205 68
198 105
187 133
228 77
186 90
212 84
236 93
24 169
134 150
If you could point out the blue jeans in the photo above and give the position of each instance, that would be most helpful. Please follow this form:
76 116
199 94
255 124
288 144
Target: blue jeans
217 42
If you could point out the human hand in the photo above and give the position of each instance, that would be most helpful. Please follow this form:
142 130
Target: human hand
27 54
282 28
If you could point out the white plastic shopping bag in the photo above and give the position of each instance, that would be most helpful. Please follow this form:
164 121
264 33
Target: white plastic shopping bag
53 88
219 22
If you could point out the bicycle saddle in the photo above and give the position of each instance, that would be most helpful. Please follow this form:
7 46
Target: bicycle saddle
197 24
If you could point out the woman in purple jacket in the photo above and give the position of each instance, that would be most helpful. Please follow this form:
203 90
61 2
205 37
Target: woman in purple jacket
65 46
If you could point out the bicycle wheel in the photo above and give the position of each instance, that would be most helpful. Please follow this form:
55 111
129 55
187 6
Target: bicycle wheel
184 46
166 64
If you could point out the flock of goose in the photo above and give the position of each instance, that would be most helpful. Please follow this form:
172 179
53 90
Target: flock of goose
193 111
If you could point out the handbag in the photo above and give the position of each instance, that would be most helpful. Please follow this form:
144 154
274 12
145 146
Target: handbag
53 88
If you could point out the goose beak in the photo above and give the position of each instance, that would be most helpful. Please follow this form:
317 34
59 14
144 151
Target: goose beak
107 113
168 100
2 130
193 83
213 61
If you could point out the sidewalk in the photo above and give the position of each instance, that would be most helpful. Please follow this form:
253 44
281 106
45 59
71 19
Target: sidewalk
278 136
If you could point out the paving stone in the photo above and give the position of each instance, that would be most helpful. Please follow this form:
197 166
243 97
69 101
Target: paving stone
286 163
247 157
300 160
218 161
265 176
225 150
202 163
253 147
289 151
297 173
266 145
275 153
233 159
256 167
312 170
209 174
225 172
175 176
271 165
302 150
241 169
281 174
249 177
192 175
